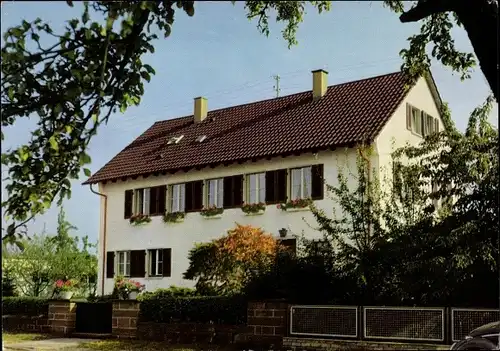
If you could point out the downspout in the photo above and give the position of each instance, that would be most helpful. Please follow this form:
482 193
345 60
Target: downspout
103 237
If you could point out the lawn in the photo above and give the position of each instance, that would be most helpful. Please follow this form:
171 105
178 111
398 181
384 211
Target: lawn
13 338
124 345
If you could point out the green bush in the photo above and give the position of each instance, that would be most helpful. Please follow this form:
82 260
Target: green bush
197 309
26 306
173 291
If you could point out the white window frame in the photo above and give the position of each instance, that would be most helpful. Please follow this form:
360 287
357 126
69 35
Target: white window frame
146 196
305 189
218 196
156 264
123 268
260 188
177 201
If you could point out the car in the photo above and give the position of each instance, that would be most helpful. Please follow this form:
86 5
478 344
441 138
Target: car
485 337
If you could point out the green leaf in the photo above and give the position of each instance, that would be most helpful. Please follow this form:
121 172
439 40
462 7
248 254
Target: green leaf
84 159
87 172
53 143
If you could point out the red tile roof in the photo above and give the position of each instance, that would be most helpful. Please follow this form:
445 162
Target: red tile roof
348 113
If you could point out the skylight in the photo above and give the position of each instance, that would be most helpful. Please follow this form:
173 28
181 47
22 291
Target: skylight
175 140
201 138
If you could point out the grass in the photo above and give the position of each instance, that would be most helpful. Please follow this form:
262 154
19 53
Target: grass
14 338
125 345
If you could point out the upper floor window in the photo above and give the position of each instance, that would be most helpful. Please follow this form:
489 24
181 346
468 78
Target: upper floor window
420 122
177 198
301 183
233 191
141 198
157 200
276 186
256 188
193 196
215 192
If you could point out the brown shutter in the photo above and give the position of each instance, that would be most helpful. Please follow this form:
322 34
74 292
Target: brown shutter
280 185
197 195
110 264
153 201
129 198
162 199
188 206
167 262
317 185
137 263
436 125
270 178
233 191
408 116
423 121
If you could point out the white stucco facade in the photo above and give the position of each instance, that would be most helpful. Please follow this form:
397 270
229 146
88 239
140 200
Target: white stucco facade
181 237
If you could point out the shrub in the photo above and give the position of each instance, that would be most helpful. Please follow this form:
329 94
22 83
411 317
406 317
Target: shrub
199 309
173 291
26 306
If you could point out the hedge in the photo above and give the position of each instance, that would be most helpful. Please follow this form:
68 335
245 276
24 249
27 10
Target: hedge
197 309
26 306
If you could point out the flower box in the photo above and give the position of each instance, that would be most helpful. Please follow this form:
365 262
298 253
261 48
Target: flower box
297 209
139 219
295 205
174 217
212 212
254 209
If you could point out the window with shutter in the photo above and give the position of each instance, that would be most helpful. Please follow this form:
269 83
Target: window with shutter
110 264
194 196
233 191
276 186
408 117
157 200
142 201
301 183
167 262
129 202
215 192
123 263
137 263
177 197
317 182
155 265
255 188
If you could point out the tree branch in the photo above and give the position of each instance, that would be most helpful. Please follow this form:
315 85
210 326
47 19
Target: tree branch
425 8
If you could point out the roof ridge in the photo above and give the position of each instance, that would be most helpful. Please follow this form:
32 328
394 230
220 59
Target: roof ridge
282 97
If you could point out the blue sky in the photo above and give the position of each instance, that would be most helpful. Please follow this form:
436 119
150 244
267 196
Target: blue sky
220 54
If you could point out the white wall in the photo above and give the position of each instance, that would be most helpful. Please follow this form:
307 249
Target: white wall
181 237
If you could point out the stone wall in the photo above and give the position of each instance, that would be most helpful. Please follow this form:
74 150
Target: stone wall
62 317
125 316
33 324
267 322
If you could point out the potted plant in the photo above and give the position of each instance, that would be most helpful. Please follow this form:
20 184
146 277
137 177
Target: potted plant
173 217
128 288
139 219
256 208
211 211
64 288
298 204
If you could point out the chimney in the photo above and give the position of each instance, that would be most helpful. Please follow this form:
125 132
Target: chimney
320 83
200 109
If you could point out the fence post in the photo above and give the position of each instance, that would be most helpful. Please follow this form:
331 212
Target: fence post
361 330
448 327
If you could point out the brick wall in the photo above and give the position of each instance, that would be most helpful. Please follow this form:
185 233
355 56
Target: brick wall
125 316
267 322
16 323
62 317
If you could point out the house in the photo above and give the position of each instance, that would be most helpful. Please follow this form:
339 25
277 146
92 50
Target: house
263 152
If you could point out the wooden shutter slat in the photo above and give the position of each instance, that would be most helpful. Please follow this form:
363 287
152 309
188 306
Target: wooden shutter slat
281 185
162 199
129 198
137 263
238 190
270 178
189 197
317 182
408 116
153 201
228 192
197 195
110 264
167 262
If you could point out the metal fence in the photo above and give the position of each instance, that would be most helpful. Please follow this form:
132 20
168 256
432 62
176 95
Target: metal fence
404 323
437 325
325 321
464 320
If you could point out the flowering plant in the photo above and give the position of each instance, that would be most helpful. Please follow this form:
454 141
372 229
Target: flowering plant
139 219
211 211
64 285
128 285
173 216
298 203
253 208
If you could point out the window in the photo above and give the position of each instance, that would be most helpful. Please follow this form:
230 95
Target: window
215 192
142 197
123 263
194 196
276 185
233 191
416 121
301 183
256 188
177 197
155 266
157 200
420 122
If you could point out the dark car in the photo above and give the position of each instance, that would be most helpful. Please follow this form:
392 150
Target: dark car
482 338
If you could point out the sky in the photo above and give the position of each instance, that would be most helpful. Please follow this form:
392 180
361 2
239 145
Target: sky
219 54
